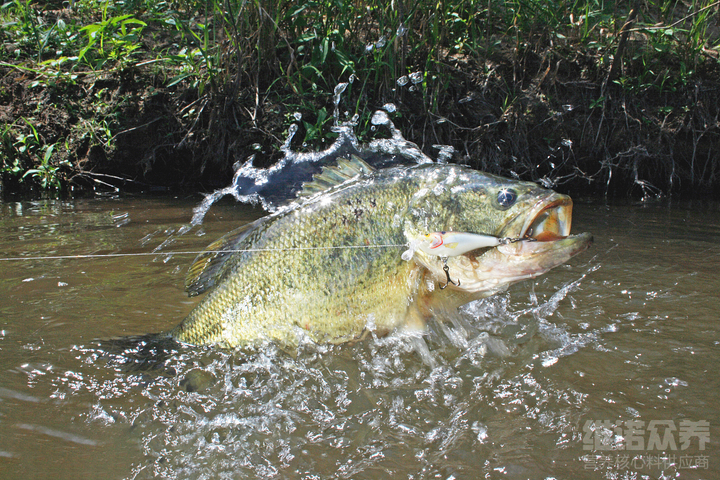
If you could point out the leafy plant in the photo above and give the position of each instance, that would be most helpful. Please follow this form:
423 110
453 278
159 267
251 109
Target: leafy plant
20 149
46 174
112 38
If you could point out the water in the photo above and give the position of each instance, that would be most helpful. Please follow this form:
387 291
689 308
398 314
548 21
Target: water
522 387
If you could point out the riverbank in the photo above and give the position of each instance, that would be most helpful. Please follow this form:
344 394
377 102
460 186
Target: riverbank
580 96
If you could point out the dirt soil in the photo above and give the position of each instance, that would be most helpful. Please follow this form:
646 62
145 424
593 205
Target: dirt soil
546 115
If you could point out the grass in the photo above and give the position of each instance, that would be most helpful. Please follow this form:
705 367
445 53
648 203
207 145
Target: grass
234 63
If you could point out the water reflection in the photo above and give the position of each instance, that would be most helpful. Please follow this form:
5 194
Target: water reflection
627 332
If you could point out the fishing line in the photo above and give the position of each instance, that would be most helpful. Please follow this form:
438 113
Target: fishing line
182 252
442 244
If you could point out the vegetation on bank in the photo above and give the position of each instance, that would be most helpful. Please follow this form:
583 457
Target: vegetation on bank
584 94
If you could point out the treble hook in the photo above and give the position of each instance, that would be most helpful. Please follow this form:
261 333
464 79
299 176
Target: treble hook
446 269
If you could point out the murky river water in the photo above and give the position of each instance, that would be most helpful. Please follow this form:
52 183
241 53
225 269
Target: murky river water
604 368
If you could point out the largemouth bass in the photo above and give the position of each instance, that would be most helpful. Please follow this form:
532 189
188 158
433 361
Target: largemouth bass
330 266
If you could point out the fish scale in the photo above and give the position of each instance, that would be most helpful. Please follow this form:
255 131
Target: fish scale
267 295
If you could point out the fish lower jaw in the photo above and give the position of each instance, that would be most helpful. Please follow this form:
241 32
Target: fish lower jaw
504 265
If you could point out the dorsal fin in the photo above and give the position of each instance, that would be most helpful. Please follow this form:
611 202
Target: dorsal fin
335 175
210 266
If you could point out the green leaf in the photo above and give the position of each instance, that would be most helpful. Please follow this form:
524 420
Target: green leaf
32 171
179 78
48 154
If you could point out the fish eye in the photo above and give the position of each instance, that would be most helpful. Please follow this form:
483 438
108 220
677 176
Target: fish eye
506 197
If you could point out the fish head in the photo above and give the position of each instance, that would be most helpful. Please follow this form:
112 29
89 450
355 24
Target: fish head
538 221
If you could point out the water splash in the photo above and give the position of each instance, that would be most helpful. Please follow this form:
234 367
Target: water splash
276 186
261 413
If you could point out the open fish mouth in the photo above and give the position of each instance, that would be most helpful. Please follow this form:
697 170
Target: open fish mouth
546 231
549 220
542 242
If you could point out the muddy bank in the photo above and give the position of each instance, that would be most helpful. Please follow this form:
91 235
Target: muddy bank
575 119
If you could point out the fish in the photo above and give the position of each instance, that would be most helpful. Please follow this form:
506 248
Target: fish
334 265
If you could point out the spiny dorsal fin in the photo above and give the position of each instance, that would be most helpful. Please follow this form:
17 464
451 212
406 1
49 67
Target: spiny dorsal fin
210 266
335 175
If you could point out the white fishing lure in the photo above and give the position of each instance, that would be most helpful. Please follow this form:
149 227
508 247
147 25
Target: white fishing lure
452 244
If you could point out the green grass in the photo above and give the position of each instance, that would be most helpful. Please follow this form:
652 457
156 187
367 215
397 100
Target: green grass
295 54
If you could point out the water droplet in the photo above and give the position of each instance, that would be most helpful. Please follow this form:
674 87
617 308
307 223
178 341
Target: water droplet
416 77
291 133
445 153
402 81
380 118
412 88
547 182
568 108
369 48
339 89
381 42
567 143
297 116
389 107
401 30
352 78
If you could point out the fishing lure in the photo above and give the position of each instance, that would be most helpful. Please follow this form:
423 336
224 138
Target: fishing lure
452 244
